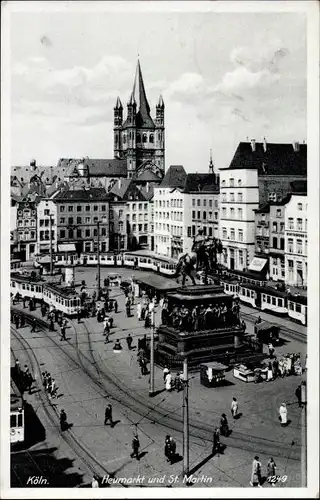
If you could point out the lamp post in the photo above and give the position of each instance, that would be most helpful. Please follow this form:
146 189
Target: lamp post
185 407
304 475
98 262
151 386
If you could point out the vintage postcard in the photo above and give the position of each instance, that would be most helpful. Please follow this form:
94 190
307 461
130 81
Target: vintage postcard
159 249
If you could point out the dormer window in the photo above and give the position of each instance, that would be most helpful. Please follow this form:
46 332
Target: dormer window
151 138
144 138
124 139
138 138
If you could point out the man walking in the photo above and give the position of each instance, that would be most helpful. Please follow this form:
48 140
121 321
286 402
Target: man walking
129 340
234 407
298 395
63 333
63 420
256 472
34 322
135 447
108 415
215 442
115 304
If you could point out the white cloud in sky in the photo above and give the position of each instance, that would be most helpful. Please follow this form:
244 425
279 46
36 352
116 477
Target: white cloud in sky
63 91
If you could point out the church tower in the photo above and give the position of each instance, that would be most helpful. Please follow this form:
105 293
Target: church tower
139 139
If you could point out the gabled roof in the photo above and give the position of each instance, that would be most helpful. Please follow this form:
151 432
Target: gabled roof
87 195
96 167
264 209
175 177
278 159
201 183
119 188
147 176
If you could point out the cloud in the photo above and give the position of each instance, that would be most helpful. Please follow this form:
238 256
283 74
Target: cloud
241 78
46 41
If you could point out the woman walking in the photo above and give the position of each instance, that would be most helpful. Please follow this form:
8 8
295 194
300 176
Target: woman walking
271 468
283 415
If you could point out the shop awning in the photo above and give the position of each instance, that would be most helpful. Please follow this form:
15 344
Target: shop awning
67 247
257 264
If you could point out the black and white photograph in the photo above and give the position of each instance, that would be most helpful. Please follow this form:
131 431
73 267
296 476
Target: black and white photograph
159 296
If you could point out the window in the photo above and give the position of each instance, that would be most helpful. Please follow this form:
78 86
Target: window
204 215
278 212
231 182
138 138
70 208
146 227
232 234
274 227
223 183
46 212
210 203
79 208
274 301
240 235
240 213
121 226
134 217
204 203
88 220
62 208
145 216
95 208
62 233
199 214
103 208
299 246
151 138
299 224
231 213
140 227
95 232
140 206
216 216
224 212
79 220
224 233
290 245
240 197
70 233
280 302
198 203
224 196
62 220
281 227
95 220
275 242
231 196
210 215
193 214
144 138
290 222
281 243
146 206
134 206
299 206
103 231
87 208
134 227
120 214
239 182
193 202
272 196
70 220
306 247
79 233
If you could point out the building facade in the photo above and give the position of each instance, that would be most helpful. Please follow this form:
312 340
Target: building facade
277 241
47 222
79 213
296 240
239 198
27 226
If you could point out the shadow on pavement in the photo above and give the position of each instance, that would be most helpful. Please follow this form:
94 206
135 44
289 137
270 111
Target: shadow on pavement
26 464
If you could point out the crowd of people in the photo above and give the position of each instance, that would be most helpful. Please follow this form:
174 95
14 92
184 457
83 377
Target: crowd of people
201 317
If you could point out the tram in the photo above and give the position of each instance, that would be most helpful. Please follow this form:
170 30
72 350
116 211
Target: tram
26 286
16 415
298 309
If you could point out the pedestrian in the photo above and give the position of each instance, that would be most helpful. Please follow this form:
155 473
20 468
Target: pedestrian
115 305
269 373
298 395
143 365
44 379
51 326
215 442
63 333
135 447
34 323
129 340
24 302
16 319
117 346
234 407
224 426
94 482
63 420
283 415
178 384
29 381
271 350
256 472
168 381
139 309
17 368
271 468
165 372
169 448
108 415
106 329
275 368
52 389
79 315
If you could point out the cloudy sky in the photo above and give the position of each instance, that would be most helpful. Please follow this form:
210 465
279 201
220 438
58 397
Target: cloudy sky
223 76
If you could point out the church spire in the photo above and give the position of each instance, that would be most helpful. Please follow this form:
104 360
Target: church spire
211 166
140 93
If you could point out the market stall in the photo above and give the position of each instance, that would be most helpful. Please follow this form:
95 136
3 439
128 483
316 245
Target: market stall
212 374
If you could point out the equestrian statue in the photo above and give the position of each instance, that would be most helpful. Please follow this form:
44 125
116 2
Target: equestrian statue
203 256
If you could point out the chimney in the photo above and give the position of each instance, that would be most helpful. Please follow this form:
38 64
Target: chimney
264 145
119 183
147 187
296 146
253 144
33 165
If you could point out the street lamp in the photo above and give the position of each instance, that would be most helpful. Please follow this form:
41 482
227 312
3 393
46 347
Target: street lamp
98 256
185 407
51 253
151 386
303 435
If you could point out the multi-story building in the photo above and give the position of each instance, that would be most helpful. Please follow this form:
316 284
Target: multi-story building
47 222
277 165
277 240
262 230
79 213
183 204
296 236
239 198
27 226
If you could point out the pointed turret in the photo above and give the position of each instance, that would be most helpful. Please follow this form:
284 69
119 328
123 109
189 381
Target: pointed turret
132 101
160 102
118 104
211 166
144 119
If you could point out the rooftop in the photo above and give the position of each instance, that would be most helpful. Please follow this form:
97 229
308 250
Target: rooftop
271 158
175 177
88 195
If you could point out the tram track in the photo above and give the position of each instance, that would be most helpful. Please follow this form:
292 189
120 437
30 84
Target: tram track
284 331
114 388
92 465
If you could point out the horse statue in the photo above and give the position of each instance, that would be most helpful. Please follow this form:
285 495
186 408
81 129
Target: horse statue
185 266
206 250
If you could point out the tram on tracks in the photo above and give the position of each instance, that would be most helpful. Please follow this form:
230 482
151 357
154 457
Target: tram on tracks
17 431
298 309
61 297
